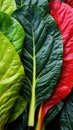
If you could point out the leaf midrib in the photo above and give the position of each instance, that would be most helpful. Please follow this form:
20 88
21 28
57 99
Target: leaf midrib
33 86
34 68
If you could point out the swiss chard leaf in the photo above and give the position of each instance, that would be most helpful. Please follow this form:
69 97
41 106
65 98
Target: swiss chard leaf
66 118
11 77
53 112
7 6
41 3
63 15
13 31
42 54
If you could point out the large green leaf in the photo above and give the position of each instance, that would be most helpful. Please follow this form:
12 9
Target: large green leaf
42 54
11 77
7 6
41 3
66 119
13 30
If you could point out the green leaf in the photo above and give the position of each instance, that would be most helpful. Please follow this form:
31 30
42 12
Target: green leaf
66 119
13 31
42 55
7 6
41 3
18 108
53 112
11 77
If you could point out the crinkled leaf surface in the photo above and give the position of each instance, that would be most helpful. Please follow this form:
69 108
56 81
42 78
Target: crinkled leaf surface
18 108
11 77
41 3
53 112
42 54
66 119
13 30
7 6
63 15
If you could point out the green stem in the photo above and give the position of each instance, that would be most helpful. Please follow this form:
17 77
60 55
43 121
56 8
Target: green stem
32 103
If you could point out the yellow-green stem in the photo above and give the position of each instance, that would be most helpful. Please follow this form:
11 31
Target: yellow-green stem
32 103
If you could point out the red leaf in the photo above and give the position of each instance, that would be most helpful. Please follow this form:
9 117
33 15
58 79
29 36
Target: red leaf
63 15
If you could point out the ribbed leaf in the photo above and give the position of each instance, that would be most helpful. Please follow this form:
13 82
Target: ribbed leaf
42 54
43 3
13 30
7 6
66 119
63 15
11 77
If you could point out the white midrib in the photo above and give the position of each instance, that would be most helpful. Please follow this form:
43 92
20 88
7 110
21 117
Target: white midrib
32 103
